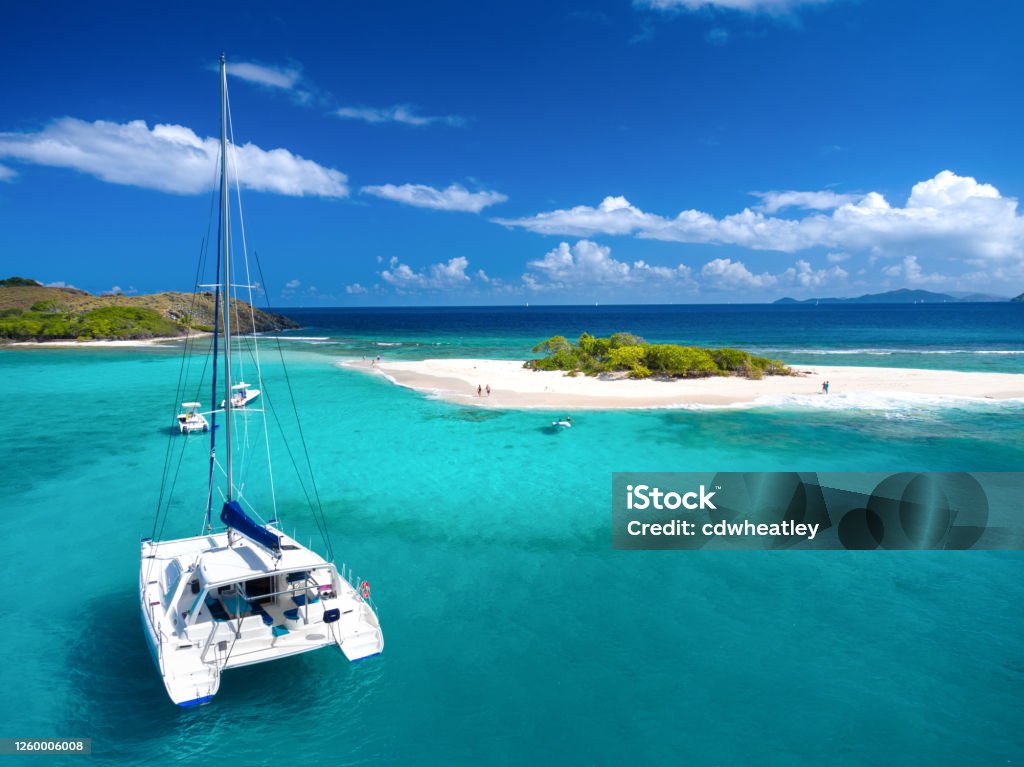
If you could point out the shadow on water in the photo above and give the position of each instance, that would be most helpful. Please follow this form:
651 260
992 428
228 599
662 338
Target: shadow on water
470 415
114 683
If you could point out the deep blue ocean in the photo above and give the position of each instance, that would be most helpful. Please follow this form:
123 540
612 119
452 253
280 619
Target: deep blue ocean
514 633
946 336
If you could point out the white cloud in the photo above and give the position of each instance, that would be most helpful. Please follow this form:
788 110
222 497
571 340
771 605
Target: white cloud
292 284
354 289
749 6
405 114
7 174
726 274
60 284
588 264
772 202
451 274
285 78
454 197
803 275
946 215
169 158
615 215
947 190
837 258
910 272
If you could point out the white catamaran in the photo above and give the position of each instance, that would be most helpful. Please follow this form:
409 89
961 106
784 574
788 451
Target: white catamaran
191 419
243 593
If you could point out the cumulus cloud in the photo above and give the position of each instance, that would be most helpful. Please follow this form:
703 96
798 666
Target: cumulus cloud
169 158
285 78
354 289
910 272
454 197
947 214
726 274
292 284
615 215
7 174
803 275
588 264
772 202
405 114
748 6
451 274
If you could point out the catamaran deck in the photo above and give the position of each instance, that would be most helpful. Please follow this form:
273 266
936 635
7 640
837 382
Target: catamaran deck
211 604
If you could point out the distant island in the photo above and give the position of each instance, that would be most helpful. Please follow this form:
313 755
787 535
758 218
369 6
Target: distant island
903 296
630 354
30 311
1018 298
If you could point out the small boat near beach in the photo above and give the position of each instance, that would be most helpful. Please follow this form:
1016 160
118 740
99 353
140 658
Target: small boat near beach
242 591
564 423
192 420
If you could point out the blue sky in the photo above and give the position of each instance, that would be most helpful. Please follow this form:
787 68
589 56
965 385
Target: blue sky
418 153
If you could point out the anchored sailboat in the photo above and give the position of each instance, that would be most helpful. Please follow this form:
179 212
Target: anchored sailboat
245 592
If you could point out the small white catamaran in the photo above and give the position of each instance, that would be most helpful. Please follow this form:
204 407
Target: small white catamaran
191 419
244 593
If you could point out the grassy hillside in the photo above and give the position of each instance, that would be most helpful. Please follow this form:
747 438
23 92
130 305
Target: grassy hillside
33 312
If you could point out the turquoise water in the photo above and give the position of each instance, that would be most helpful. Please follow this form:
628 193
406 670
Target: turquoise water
514 634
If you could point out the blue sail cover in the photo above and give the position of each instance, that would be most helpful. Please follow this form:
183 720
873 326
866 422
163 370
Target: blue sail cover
235 517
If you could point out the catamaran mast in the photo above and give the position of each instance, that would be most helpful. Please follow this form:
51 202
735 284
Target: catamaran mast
225 216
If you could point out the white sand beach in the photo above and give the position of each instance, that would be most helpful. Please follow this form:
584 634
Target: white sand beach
107 344
513 386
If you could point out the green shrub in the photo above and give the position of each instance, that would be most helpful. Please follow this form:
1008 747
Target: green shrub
44 321
625 352
625 339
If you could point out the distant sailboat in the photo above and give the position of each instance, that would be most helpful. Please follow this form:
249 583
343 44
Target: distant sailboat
242 592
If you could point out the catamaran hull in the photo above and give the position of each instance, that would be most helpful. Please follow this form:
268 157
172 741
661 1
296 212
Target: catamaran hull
202 616
180 692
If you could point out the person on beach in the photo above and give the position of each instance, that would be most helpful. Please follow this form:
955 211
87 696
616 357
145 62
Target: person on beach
488 390
479 390
826 387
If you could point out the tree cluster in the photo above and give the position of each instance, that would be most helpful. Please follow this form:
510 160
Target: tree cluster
625 352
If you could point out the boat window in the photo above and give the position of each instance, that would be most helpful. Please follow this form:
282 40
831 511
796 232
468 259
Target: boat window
258 588
172 575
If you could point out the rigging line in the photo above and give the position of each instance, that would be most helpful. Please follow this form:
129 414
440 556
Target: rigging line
298 475
189 343
200 266
255 348
170 494
298 421
179 388
242 344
